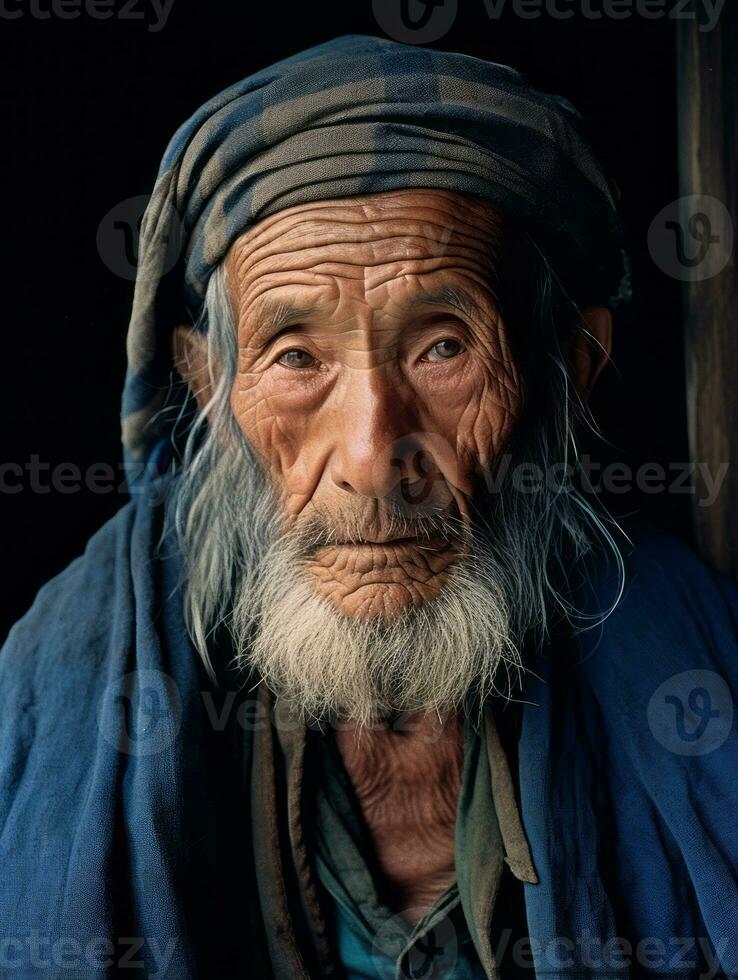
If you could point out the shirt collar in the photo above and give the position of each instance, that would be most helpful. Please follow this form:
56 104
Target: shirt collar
489 829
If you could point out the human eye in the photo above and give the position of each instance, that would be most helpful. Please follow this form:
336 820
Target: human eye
296 357
444 350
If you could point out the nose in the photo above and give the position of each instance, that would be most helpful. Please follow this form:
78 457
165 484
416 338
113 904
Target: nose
377 448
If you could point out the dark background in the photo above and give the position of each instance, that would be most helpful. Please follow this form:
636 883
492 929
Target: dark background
87 109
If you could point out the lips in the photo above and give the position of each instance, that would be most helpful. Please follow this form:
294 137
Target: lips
391 531
368 542
394 544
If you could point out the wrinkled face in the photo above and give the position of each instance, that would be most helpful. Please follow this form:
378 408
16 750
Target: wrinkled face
374 375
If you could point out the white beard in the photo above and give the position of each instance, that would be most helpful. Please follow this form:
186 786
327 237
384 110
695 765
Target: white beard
329 665
242 571
326 664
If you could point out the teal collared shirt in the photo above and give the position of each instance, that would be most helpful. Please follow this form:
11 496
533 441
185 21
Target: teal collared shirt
453 938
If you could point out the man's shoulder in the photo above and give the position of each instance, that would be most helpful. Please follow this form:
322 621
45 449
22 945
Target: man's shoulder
676 615
658 556
73 610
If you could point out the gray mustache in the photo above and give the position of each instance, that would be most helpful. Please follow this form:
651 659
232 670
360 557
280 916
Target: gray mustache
321 530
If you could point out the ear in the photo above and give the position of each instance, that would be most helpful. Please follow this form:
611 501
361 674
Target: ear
590 350
190 354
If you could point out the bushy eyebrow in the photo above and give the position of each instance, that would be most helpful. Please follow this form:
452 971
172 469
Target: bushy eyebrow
272 318
452 297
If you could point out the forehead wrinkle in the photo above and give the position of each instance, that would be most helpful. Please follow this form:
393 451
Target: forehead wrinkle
252 292
306 247
446 215
257 299
300 244
452 212
452 264
342 220
386 256
273 314
353 260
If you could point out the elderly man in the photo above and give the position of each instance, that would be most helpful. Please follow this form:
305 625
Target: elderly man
360 683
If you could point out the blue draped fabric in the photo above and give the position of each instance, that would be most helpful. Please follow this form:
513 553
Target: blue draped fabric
117 818
628 777
114 800
124 809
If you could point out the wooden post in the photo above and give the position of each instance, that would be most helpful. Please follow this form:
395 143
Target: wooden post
707 80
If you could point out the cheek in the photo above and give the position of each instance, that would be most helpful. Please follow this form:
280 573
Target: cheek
278 425
467 413
475 409
486 425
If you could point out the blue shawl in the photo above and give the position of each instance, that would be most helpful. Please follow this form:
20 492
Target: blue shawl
125 827
127 813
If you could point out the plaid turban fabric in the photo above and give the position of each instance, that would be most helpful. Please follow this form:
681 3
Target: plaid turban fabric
358 115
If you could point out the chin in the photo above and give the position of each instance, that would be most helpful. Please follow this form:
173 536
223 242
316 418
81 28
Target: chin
379 583
381 602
